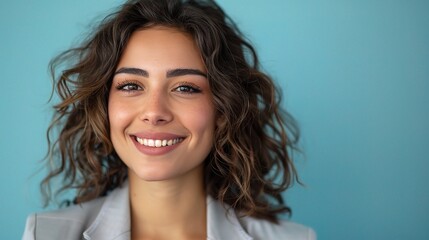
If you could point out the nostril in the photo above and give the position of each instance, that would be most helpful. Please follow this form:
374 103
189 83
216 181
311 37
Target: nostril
156 117
154 120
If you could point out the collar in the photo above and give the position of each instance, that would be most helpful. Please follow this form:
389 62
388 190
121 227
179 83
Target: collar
113 221
222 222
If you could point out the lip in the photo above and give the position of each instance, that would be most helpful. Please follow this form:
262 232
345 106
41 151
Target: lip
154 151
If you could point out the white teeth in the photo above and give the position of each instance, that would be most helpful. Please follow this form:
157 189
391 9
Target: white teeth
157 142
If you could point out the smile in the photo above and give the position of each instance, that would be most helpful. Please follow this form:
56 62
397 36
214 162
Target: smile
157 143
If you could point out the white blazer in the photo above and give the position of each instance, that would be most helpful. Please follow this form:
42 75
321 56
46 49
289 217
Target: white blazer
108 218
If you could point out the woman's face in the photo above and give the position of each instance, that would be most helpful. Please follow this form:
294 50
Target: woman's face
161 115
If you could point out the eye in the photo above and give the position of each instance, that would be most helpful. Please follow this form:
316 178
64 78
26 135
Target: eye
129 86
187 88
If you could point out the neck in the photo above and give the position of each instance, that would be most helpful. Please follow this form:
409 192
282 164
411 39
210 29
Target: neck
170 209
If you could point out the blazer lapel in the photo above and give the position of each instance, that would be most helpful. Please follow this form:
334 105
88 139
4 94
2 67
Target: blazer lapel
222 222
113 220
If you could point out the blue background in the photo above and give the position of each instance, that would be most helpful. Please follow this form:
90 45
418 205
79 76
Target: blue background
354 73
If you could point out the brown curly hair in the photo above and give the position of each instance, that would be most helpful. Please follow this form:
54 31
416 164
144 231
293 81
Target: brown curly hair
249 166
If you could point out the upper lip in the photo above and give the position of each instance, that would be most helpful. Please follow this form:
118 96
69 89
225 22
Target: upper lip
157 135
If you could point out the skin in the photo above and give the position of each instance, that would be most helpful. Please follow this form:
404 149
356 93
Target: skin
167 195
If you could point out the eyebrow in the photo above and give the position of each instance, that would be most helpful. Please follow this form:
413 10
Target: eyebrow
170 73
133 71
184 71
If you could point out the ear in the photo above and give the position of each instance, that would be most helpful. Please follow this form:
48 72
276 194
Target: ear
220 119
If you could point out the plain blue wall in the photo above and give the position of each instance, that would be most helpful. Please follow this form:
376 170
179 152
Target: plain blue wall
354 73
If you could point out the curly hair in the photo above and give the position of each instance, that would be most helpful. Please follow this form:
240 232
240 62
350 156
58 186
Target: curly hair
250 164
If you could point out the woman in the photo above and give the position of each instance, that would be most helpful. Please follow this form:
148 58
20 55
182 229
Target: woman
168 130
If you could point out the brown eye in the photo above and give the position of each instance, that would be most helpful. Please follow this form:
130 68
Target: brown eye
129 87
187 89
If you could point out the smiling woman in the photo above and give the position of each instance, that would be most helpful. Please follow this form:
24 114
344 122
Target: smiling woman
168 131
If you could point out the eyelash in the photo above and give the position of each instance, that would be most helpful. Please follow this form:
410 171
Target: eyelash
184 87
191 88
129 83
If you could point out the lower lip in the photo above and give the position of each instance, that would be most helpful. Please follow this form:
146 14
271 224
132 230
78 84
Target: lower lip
154 151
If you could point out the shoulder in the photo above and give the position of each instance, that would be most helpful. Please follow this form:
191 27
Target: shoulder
75 213
98 218
262 229
224 223
66 223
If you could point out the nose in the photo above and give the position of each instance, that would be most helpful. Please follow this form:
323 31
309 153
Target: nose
156 110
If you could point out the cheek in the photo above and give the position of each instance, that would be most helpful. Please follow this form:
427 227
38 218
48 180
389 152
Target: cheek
201 119
119 116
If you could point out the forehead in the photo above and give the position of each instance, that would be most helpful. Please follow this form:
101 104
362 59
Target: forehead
159 45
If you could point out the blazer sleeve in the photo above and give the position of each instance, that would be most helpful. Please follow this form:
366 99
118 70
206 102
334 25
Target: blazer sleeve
30 226
311 234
